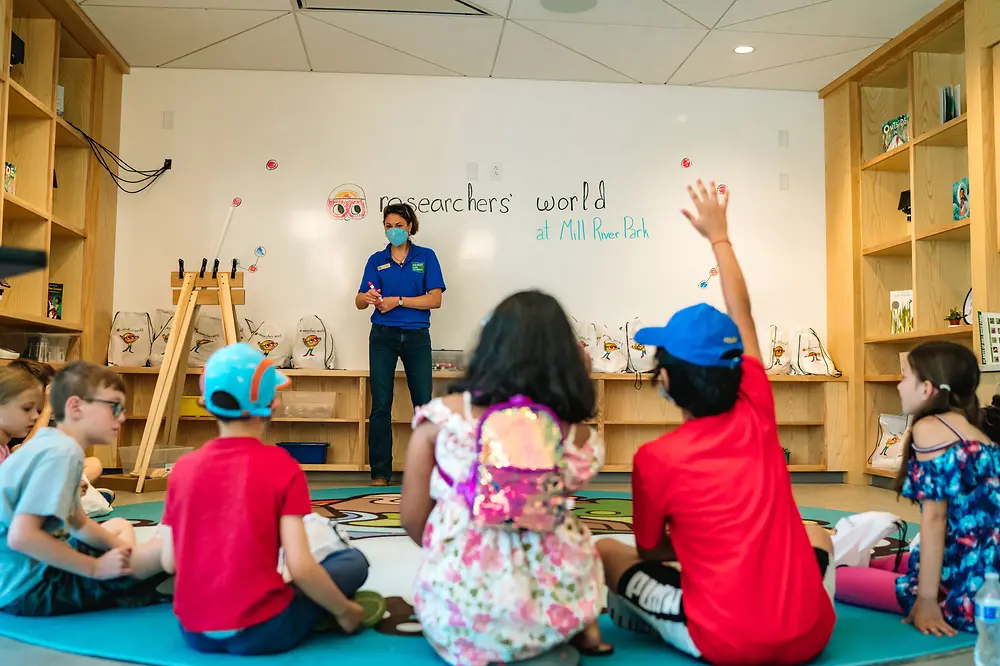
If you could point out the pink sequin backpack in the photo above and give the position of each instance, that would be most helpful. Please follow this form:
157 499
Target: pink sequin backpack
516 481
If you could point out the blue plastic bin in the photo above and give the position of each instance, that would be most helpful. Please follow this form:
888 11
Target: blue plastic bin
307 453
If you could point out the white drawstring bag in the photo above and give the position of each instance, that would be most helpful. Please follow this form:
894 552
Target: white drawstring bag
325 536
609 352
888 453
312 346
780 352
94 504
811 357
270 340
131 339
163 321
641 358
206 339
857 535
586 335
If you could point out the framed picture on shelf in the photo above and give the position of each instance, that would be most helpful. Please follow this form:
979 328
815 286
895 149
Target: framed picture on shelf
960 199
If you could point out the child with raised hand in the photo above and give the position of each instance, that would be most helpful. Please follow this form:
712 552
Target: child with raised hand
230 506
952 470
508 572
751 585
42 570
21 400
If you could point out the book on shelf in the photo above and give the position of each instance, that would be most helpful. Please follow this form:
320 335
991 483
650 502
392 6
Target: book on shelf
9 177
950 102
960 199
895 132
55 308
901 310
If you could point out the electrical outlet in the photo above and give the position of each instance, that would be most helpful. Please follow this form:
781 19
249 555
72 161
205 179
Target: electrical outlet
496 172
168 120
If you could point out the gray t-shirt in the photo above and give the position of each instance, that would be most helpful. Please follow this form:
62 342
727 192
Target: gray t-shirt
41 478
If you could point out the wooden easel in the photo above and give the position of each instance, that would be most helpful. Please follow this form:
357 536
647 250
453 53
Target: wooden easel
190 292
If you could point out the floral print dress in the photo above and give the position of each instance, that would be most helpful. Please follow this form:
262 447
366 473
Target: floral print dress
486 595
967 476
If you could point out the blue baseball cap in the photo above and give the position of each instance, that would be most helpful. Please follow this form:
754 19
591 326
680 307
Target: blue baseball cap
247 375
699 334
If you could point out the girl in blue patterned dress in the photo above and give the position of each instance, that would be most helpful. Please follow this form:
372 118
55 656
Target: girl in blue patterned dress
953 471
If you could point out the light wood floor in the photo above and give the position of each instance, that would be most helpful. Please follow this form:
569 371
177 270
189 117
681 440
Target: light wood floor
853 499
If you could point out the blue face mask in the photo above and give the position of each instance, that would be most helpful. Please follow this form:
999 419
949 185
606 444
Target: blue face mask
663 392
397 236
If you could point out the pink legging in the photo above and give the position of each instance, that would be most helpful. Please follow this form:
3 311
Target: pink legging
873 586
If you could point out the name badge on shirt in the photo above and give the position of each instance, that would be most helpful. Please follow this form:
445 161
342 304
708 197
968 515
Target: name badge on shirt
383 267
418 267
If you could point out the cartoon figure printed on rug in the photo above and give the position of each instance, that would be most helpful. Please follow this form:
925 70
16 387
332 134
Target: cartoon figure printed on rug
267 346
347 202
952 469
610 346
709 366
129 338
311 342
508 571
199 344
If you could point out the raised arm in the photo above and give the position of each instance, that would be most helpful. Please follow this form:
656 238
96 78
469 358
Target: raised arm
710 221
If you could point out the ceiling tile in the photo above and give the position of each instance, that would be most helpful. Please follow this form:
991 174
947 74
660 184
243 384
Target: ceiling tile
706 12
714 57
747 10
332 49
527 55
254 49
498 7
616 12
464 44
276 5
809 75
413 6
648 55
148 37
858 18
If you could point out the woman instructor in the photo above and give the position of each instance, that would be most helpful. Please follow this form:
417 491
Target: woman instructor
403 283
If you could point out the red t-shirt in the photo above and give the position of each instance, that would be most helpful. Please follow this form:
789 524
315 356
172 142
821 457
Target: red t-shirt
224 504
752 587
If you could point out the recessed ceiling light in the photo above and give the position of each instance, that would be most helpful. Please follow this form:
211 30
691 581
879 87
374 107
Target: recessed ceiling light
742 50
569 6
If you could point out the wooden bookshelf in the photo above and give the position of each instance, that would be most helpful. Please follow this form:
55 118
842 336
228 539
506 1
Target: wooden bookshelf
872 249
63 202
631 413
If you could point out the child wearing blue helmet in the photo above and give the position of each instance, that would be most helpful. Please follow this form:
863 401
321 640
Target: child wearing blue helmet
230 506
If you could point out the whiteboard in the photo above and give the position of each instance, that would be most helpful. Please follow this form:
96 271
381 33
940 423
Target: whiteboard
435 140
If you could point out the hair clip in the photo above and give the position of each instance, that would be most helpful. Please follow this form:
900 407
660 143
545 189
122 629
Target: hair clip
944 387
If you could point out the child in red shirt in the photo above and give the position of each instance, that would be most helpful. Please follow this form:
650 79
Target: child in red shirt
754 585
230 506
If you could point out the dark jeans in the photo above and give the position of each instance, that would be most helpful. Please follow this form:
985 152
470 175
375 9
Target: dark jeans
386 344
348 569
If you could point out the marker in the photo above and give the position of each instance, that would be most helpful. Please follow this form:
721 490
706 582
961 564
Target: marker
372 287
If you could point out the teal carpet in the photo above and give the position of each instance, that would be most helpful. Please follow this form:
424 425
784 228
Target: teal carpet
150 635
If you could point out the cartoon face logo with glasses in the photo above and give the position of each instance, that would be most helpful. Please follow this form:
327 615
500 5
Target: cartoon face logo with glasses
347 202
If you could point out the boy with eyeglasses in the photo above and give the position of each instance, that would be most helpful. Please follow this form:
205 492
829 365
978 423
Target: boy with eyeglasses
54 560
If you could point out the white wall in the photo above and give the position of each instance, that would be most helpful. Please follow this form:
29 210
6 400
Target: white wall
414 136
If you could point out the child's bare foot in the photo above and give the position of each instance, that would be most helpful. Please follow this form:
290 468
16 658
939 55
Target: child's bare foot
589 642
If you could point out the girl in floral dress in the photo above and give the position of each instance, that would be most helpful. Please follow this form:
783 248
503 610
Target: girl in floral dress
486 595
953 470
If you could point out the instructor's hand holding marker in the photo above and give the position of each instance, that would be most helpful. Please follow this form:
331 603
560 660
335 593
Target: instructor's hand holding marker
372 296
711 219
386 304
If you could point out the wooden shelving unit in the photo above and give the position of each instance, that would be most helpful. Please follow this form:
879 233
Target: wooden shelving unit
872 249
62 202
630 414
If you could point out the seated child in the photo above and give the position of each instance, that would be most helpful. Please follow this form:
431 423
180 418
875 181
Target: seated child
485 592
230 506
953 470
43 372
750 589
21 400
42 570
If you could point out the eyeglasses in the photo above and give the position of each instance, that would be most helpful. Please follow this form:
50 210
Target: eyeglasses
117 408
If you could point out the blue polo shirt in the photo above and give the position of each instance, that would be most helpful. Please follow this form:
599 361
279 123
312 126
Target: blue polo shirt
419 273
